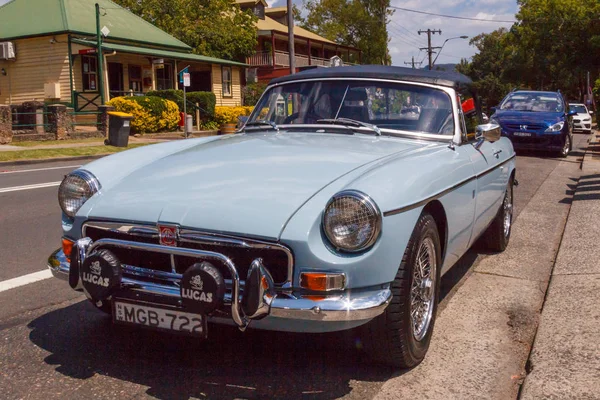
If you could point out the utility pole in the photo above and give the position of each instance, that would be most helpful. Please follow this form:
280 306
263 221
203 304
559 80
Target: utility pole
430 49
413 63
100 62
290 16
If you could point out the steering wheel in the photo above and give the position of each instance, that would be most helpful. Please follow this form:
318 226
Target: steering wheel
306 116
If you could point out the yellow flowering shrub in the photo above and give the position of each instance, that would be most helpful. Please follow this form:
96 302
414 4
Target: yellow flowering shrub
150 114
229 115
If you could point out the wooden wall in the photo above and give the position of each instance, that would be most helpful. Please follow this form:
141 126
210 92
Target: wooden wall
38 62
236 87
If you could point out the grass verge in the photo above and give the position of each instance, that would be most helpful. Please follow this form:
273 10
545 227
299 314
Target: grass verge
91 142
64 152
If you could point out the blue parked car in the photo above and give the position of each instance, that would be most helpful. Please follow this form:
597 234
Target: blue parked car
339 204
535 120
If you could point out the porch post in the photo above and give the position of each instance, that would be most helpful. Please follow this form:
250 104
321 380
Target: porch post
309 55
100 61
273 49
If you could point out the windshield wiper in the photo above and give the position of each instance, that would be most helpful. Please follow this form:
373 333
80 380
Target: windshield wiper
262 123
350 122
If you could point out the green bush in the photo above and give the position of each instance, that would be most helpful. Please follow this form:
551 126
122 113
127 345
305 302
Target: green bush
252 93
206 101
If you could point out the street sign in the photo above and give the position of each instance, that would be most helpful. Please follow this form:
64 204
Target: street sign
186 79
183 71
87 51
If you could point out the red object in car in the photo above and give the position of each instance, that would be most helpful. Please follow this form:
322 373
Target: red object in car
468 106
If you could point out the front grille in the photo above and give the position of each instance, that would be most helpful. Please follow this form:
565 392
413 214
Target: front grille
276 258
526 127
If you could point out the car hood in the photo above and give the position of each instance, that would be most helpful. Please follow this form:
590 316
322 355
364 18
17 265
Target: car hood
525 117
247 184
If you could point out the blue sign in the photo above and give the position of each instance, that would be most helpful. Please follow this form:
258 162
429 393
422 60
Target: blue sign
183 71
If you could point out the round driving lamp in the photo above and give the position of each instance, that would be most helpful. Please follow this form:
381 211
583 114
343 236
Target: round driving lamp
351 221
77 188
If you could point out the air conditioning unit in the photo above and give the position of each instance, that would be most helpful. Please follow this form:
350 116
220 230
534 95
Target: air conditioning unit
7 51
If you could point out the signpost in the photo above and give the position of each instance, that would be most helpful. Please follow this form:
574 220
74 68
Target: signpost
185 78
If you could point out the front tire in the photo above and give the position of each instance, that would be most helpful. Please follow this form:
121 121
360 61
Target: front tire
400 337
566 149
497 236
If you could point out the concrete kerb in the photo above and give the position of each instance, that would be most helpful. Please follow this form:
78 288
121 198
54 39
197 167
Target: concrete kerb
564 362
47 160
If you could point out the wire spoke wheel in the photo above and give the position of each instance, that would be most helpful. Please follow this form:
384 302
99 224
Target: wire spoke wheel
422 291
508 210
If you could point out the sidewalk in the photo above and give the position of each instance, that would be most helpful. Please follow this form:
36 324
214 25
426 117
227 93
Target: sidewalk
565 360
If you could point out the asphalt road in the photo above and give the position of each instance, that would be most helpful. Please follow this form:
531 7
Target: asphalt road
54 344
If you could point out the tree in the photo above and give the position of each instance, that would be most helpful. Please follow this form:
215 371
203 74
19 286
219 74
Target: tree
356 23
217 28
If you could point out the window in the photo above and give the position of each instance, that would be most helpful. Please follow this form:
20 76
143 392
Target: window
164 76
90 73
226 80
135 78
259 11
389 105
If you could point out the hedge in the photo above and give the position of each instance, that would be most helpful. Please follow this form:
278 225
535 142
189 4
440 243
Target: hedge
150 113
206 101
229 115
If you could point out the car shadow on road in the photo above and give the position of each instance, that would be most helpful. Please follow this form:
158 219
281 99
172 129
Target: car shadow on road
83 342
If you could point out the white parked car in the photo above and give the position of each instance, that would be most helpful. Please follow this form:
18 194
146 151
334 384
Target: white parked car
582 122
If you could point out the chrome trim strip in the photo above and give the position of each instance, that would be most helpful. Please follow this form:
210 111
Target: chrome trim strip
187 235
446 191
356 305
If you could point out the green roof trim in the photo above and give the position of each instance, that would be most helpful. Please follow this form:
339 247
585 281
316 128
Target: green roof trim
31 18
147 51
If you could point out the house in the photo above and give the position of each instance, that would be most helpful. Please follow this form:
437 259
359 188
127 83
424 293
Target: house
271 59
48 50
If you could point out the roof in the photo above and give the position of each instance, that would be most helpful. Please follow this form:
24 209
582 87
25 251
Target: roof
269 24
253 2
122 48
276 10
30 18
451 79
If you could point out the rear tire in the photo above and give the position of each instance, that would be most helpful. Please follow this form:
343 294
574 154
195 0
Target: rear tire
400 336
497 235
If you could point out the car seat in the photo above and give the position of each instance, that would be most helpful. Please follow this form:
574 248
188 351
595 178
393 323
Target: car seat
355 106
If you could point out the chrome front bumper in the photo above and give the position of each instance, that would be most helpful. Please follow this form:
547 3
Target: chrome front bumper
350 306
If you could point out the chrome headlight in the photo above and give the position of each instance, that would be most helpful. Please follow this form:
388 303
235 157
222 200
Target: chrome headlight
351 221
77 188
556 127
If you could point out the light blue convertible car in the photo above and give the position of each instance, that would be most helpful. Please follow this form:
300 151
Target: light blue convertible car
339 204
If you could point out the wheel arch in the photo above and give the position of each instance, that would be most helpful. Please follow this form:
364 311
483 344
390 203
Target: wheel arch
437 211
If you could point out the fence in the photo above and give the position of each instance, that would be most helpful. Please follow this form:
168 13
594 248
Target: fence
55 121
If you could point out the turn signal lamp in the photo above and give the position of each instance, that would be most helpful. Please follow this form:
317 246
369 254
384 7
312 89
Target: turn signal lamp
67 246
322 282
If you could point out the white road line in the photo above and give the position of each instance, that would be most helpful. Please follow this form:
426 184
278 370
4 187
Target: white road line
25 280
29 187
39 169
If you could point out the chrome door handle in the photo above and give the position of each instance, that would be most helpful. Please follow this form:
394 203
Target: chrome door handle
497 153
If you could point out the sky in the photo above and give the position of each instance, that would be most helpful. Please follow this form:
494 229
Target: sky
404 25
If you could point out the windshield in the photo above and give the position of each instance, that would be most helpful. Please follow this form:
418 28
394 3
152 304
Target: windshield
579 109
387 105
534 102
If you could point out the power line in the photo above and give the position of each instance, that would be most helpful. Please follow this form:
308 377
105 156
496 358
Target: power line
398 34
430 48
413 35
404 40
454 16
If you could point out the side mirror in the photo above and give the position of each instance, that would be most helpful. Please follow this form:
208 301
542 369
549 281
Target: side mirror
487 133
242 119
591 112
493 110
571 113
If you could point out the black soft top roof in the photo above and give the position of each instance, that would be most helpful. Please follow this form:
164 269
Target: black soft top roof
451 79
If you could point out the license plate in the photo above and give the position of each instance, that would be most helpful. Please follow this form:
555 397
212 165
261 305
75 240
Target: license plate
158 318
526 134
